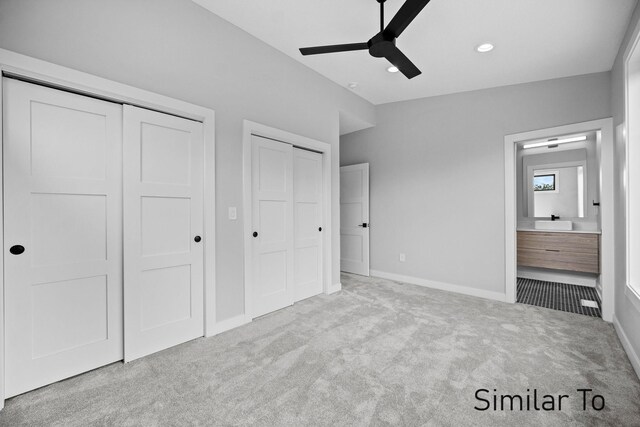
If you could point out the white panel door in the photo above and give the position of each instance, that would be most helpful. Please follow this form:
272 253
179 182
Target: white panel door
272 193
63 234
163 225
354 219
308 223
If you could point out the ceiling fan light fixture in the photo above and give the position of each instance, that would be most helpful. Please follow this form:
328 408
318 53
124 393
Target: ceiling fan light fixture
485 48
393 69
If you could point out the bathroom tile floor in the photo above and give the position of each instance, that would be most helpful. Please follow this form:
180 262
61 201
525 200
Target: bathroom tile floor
558 296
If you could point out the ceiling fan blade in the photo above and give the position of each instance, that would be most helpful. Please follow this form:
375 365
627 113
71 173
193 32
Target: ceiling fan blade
333 48
407 13
404 64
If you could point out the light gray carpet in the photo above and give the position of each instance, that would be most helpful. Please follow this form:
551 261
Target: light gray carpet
376 353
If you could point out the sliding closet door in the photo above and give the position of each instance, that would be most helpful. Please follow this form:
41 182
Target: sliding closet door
163 217
63 234
307 202
272 190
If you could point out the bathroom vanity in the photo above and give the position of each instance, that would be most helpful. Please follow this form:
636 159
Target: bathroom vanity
560 250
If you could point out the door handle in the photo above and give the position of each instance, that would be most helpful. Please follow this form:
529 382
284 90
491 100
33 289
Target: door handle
16 249
363 225
255 234
197 239
319 228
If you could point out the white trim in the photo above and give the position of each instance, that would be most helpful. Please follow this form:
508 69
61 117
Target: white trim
2 376
629 52
465 290
607 277
510 220
607 220
252 128
229 324
626 344
633 297
209 227
337 287
629 291
38 71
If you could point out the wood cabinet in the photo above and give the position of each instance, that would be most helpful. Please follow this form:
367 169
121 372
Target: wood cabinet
559 251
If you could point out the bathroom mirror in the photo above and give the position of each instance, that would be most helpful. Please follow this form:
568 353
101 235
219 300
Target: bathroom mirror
555 184
557 191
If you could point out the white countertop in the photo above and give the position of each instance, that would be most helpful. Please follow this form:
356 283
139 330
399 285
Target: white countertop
561 231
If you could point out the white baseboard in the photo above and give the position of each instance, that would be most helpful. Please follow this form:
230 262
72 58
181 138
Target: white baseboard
558 276
599 289
497 296
232 323
334 288
626 344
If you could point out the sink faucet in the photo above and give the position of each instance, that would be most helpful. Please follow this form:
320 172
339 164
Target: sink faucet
554 217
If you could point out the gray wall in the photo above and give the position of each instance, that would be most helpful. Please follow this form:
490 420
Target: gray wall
626 313
437 173
176 48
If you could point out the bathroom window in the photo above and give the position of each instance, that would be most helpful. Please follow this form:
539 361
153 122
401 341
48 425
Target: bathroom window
545 182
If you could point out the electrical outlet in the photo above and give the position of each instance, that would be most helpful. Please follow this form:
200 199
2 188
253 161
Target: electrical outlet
233 213
403 258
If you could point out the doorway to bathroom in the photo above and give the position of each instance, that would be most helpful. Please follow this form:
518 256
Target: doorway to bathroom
559 222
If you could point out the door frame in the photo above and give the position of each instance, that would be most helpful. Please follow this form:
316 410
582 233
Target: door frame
606 180
45 73
256 129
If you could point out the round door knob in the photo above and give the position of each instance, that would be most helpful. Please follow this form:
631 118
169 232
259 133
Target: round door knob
17 249
197 239
255 234
319 228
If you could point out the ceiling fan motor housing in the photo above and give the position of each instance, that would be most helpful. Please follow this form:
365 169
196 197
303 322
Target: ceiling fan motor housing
381 44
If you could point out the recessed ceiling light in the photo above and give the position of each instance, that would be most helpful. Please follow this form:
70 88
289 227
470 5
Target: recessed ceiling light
485 47
352 85
393 69
556 141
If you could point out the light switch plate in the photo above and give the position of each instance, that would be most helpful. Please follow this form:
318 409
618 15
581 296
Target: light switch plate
233 213
403 258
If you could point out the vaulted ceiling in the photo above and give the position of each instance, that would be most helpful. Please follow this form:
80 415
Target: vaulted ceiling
534 40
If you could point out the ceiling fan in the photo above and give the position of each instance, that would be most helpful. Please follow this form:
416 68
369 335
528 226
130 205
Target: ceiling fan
383 44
